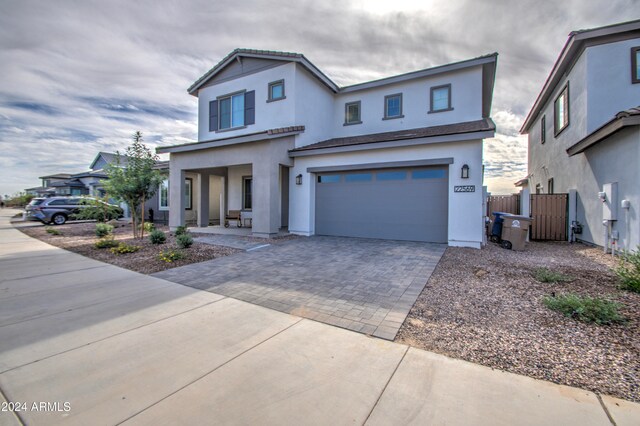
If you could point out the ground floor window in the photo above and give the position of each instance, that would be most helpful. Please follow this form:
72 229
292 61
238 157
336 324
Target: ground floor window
247 183
164 195
188 198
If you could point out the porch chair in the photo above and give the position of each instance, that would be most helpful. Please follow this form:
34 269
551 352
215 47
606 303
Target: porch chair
233 215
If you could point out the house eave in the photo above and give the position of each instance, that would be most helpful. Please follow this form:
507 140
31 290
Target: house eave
398 143
602 133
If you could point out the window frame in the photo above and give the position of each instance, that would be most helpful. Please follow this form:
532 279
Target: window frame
557 130
635 76
270 86
346 113
432 90
244 194
543 129
386 107
230 96
188 193
163 184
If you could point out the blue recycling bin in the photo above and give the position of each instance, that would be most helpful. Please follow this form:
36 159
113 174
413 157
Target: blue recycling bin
496 229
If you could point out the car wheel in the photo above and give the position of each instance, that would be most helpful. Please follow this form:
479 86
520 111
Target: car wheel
58 219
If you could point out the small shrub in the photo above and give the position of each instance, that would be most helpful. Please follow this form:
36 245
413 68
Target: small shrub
102 230
123 248
584 308
106 243
170 256
157 237
629 271
184 240
181 230
53 231
149 227
545 275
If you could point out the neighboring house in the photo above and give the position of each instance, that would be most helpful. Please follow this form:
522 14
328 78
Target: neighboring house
584 134
395 158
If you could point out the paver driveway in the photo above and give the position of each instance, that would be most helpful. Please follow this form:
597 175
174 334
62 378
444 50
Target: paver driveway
363 285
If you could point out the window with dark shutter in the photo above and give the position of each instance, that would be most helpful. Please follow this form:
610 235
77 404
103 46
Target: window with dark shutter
249 108
213 116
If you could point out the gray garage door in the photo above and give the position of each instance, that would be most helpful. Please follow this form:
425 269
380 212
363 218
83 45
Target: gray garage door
401 204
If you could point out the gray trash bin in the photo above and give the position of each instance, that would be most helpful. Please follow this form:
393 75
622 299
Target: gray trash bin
514 231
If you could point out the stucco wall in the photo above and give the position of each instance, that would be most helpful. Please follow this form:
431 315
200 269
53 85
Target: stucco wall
613 160
235 185
269 115
465 209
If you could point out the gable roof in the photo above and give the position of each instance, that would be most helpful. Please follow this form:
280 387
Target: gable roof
630 117
57 176
573 48
109 158
488 61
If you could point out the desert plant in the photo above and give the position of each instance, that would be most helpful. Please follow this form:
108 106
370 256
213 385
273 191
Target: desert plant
181 230
170 256
107 242
52 231
102 230
584 308
184 240
124 248
546 275
149 227
628 270
157 237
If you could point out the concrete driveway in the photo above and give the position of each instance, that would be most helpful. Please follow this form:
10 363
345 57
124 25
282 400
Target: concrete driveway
363 285
82 342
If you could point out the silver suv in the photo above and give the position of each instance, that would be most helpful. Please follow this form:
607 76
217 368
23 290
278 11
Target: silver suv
55 210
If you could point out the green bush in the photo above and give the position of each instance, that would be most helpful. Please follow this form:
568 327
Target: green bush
584 308
102 230
545 275
629 271
106 243
123 248
149 227
52 231
170 256
184 240
180 230
97 209
157 237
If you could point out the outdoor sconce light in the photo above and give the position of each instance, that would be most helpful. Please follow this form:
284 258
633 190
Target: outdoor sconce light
299 180
465 172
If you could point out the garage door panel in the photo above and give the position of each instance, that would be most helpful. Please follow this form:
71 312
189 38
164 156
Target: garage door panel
405 209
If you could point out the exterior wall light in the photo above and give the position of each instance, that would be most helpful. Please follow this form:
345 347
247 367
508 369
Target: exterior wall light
299 180
465 172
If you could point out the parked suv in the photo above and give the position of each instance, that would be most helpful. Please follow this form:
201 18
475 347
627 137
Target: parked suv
56 210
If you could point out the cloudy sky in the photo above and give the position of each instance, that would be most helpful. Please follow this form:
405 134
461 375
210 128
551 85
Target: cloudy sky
78 77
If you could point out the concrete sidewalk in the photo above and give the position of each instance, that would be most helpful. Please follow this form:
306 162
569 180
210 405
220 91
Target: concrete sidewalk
121 347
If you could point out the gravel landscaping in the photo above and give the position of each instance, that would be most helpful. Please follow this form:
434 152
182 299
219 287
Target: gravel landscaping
80 238
485 306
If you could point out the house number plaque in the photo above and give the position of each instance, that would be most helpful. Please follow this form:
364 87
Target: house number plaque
464 188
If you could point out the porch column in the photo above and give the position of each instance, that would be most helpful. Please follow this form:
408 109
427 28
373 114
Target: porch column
176 197
266 198
203 201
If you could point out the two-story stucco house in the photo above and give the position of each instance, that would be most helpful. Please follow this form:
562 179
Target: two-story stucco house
584 135
396 158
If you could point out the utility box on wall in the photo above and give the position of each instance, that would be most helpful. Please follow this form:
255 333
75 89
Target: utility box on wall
610 203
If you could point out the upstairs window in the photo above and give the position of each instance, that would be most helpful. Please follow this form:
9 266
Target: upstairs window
635 65
276 91
543 129
393 106
232 111
561 111
440 98
352 113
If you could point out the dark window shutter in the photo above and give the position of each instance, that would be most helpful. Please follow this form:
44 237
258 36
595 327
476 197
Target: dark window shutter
213 116
250 108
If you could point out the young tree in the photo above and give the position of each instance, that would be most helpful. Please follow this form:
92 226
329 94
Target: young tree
134 180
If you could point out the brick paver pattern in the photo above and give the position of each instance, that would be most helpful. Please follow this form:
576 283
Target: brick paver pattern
364 285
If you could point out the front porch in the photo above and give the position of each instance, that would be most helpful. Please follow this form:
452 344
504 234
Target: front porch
252 179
